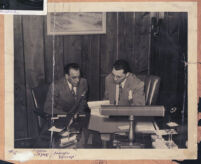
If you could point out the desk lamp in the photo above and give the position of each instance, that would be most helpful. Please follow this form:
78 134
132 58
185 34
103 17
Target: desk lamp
132 111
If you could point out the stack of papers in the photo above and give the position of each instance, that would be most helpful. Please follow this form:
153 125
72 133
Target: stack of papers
172 124
95 107
159 144
54 129
67 141
95 104
145 127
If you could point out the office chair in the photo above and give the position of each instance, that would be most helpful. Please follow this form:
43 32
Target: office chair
39 94
45 120
151 88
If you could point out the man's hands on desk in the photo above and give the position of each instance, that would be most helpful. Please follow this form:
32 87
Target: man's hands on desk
68 130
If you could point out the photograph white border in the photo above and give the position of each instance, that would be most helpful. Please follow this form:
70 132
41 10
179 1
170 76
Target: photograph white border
109 154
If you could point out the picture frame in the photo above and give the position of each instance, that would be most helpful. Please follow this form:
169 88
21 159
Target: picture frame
72 23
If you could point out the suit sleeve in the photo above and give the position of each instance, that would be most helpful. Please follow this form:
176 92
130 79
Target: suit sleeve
138 93
83 104
51 101
106 92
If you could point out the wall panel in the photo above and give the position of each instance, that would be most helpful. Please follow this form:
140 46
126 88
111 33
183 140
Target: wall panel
19 83
34 63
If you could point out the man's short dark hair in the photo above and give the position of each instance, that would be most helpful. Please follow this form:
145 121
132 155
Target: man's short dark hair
71 66
121 64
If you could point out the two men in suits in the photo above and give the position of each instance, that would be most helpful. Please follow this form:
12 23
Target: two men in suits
123 87
64 93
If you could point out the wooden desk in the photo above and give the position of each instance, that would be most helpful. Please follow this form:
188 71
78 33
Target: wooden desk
90 138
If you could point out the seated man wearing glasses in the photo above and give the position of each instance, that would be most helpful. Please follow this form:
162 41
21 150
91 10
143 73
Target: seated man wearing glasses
123 87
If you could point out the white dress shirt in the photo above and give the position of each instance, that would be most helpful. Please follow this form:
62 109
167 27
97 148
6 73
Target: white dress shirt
71 87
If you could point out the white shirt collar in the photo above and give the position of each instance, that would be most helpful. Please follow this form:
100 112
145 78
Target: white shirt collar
71 86
123 83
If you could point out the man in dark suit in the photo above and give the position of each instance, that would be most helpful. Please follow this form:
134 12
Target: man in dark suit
123 87
66 92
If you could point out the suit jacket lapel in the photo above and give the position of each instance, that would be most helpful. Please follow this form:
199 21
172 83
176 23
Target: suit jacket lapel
67 91
113 90
126 86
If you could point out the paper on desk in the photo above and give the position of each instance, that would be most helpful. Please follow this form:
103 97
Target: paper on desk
96 104
95 111
146 127
123 127
54 129
166 132
68 139
95 107
172 124
61 115
159 144
65 134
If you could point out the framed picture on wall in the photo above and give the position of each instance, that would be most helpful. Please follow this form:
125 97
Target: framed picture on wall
67 23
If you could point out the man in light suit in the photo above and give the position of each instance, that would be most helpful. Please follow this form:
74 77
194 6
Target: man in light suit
64 93
123 87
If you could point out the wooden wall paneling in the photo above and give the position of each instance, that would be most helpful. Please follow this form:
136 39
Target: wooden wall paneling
86 40
108 49
172 55
125 37
141 42
166 55
72 49
183 28
59 58
34 63
51 42
85 55
20 110
93 67
182 84
167 49
48 55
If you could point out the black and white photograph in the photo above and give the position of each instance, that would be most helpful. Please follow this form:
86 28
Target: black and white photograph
145 52
129 88
22 6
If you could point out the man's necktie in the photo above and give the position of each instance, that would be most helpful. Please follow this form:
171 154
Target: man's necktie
73 92
120 91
